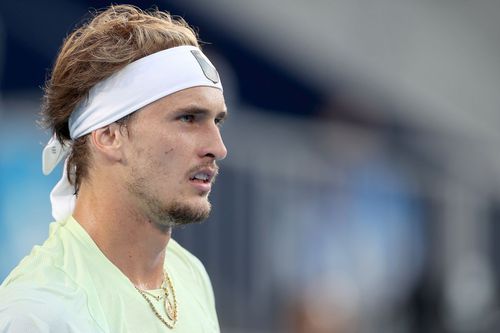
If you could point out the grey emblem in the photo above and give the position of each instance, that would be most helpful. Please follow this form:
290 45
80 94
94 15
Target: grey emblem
209 70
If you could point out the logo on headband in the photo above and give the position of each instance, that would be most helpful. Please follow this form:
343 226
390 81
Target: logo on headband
209 70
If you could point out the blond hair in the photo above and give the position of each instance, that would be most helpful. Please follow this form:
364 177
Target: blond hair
109 41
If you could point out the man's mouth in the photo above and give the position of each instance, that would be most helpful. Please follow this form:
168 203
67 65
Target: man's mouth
203 178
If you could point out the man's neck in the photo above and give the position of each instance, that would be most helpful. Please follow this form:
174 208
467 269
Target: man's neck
130 241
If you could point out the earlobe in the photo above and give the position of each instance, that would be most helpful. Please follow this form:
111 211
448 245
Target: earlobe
107 142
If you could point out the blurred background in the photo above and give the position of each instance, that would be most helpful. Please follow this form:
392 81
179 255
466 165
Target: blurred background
361 190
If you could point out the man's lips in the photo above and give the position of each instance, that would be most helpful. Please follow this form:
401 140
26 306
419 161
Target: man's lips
203 177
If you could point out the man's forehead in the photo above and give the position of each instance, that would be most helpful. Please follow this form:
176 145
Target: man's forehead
195 100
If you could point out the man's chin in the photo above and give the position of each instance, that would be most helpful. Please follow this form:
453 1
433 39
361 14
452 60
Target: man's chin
178 214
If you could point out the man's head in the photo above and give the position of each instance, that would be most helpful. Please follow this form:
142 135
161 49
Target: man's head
135 145
99 48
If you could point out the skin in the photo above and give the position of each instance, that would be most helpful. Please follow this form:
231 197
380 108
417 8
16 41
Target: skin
141 172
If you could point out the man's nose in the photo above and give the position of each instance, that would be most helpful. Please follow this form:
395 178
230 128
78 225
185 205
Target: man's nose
215 147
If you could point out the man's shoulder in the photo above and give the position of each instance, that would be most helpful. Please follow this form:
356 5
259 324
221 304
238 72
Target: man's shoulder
55 262
39 269
19 300
40 294
26 308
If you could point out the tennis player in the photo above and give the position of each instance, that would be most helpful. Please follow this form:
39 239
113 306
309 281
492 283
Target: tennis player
135 108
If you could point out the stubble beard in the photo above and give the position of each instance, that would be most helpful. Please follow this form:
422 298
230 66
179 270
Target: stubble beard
178 214
172 214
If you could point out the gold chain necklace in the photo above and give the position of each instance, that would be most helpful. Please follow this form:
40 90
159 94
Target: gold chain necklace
170 309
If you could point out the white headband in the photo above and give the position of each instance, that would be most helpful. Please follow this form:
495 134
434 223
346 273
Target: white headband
135 86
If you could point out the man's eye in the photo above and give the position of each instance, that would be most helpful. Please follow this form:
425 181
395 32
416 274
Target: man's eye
188 118
219 121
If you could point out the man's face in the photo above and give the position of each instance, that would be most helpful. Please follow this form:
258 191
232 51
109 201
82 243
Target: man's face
170 155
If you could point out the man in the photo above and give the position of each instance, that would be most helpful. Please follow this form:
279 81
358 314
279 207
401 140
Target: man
136 107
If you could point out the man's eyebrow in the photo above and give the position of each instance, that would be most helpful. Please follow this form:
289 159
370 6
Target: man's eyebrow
198 110
223 115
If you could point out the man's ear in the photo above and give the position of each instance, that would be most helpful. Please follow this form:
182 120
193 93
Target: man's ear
108 142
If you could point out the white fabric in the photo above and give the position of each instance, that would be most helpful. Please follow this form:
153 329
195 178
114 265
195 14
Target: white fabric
62 196
138 84
135 86
53 153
